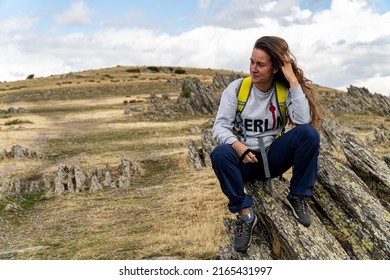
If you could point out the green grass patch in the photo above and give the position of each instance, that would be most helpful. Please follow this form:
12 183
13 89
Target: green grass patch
26 201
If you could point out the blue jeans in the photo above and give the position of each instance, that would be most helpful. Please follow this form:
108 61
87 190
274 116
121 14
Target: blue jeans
299 148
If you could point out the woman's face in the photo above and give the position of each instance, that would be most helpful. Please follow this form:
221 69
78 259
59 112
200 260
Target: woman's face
261 69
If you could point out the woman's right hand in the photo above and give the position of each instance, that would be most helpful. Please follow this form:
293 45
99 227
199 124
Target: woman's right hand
240 149
288 72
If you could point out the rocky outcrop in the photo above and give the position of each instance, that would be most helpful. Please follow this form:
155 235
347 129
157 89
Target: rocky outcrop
350 204
200 157
73 179
349 208
13 111
359 221
289 239
358 100
17 152
370 168
197 98
195 156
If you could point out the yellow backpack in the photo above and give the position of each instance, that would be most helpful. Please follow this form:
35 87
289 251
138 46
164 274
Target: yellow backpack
243 95
245 89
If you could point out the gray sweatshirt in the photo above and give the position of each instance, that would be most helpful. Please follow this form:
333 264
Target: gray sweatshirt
261 116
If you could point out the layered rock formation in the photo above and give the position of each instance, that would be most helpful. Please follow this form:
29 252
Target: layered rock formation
74 179
350 206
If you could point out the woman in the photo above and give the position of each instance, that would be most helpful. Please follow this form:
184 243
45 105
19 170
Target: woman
238 156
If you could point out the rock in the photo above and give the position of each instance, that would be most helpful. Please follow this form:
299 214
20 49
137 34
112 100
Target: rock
79 178
387 160
6 255
17 186
123 182
362 223
373 171
5 185
4 154
200 157
166 96
128 168
196 98
107 179
70 185
208 144
46 182
129 110
73 179
60 181
358 100
18 153
382 134
194 158
95 185
125 166
289 239
330 135
13 207
34 187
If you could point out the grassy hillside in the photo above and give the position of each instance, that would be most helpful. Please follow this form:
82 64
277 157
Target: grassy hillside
170 211
78 118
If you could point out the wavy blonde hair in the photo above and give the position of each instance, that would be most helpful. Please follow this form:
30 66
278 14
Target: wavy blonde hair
277 48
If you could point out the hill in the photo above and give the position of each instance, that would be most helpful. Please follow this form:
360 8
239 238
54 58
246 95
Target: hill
63 134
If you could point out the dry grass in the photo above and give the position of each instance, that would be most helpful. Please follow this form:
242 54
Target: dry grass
144 223
170 211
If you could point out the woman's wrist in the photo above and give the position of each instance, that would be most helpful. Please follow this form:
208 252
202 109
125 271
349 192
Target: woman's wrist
293 83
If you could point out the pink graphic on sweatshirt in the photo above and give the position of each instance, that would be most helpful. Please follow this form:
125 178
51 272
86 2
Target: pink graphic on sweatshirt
272 109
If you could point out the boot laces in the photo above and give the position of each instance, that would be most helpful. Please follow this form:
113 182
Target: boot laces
302 205
242 227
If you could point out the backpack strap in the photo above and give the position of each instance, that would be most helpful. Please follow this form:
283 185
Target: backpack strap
243 94
281 99
242 97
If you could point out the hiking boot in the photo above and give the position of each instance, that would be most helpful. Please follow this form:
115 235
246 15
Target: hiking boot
299 207
243 233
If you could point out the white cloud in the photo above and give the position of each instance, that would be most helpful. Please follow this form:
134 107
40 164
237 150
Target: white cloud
77 14
347 44
18 24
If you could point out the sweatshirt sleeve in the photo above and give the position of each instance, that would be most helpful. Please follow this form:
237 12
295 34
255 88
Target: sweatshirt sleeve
298 106
223 125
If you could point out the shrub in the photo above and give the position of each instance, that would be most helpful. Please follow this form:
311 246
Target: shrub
30 77
135 70
153 68
186 93
17 121
180 71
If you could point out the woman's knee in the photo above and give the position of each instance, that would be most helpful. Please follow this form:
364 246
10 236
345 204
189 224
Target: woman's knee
309 132
221 153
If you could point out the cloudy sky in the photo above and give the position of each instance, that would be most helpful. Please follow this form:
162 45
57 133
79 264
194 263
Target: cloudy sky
338 43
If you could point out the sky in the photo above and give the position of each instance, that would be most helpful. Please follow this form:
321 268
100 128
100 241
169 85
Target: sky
337 43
